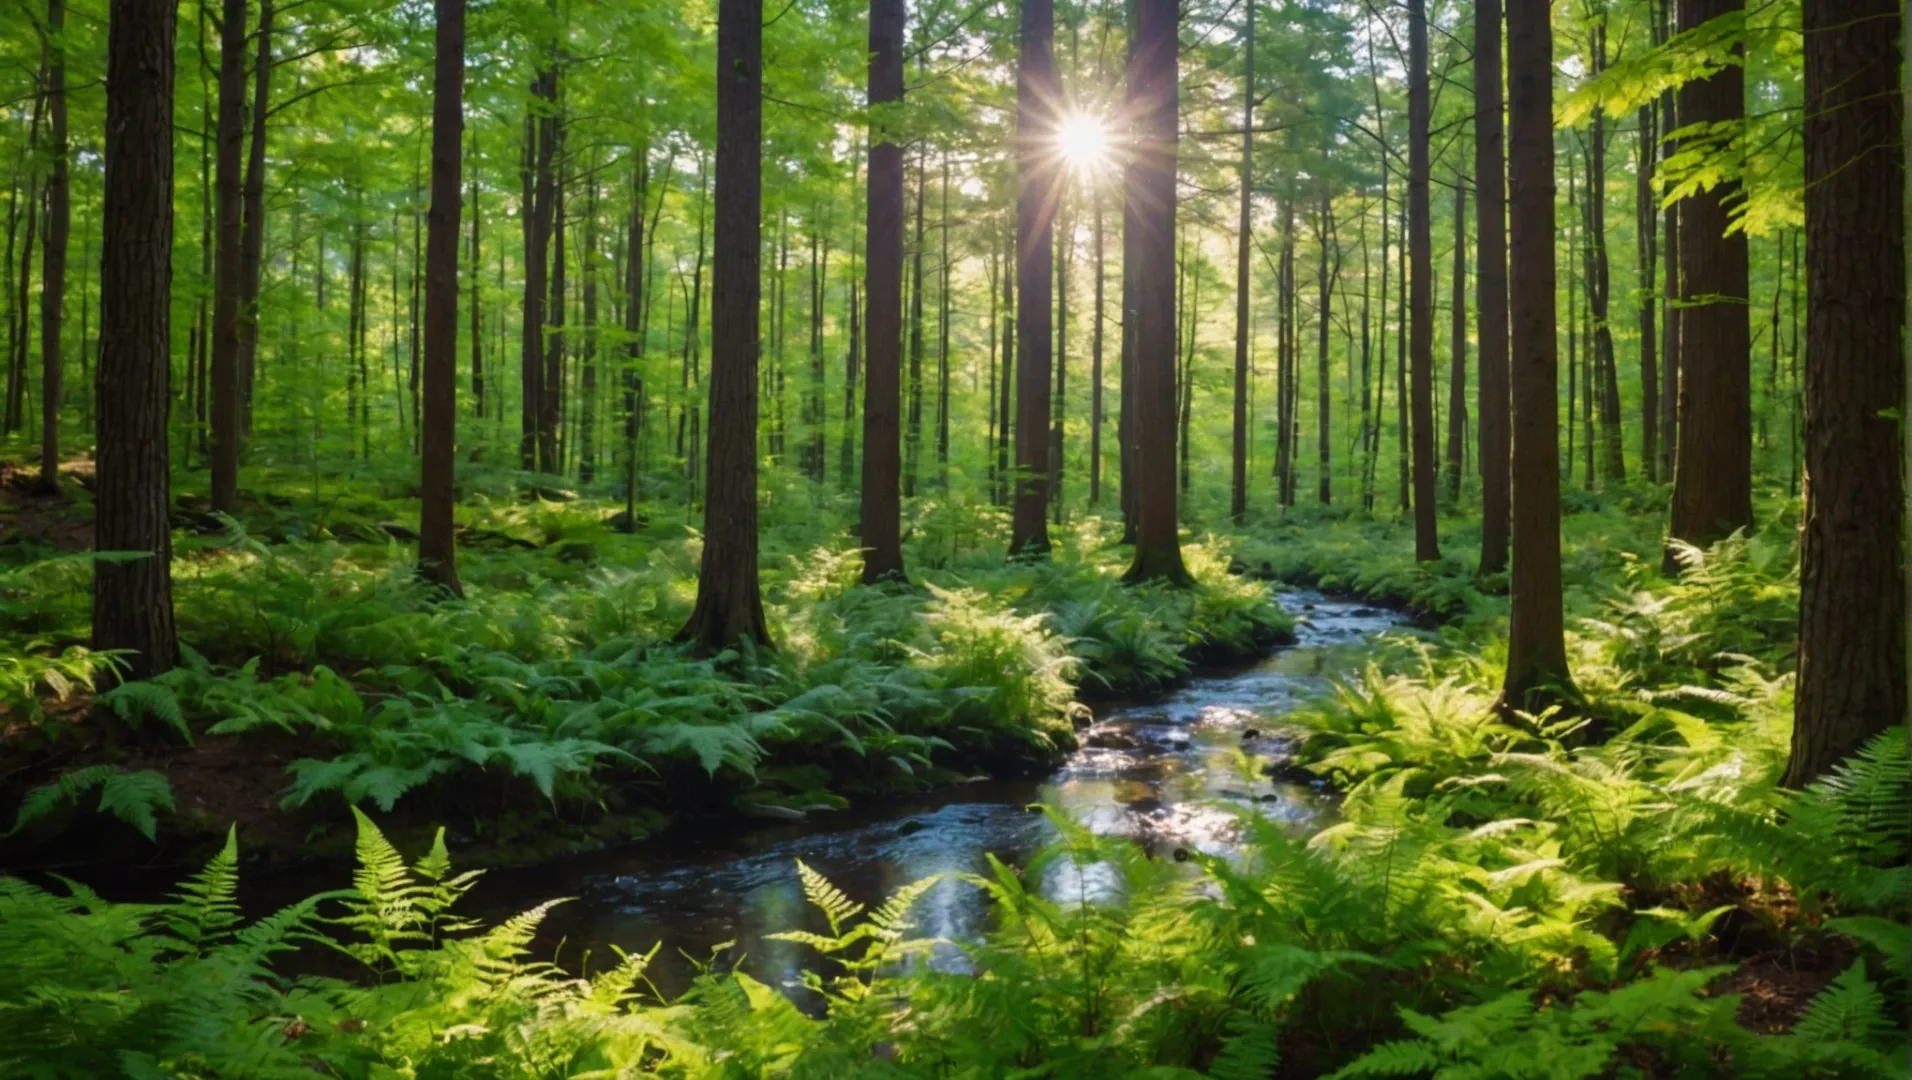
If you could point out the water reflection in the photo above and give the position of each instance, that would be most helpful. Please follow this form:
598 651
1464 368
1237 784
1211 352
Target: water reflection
1170 774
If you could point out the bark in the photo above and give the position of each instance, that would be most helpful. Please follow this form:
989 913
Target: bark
1149 197
1095 367
881 511
437 553
1536 644
1712 479
1420 287
636 297
1238 490
252 244
913 435
1066 217
942 346
1457 380
1852 634
1038 89
1401 427
729 608
17 350
227 279
587 363
53 269
477 309
1670 289
1490 287
132 599
1285 354
1323 445
1612 454
551 418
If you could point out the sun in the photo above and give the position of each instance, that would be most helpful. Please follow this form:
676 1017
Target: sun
1084 141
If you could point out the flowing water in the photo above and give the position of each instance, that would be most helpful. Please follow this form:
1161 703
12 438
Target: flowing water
1165 773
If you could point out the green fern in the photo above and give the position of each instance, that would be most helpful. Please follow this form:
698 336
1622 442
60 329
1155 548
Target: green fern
136 702
135 798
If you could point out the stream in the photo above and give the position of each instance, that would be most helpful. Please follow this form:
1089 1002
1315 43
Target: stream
1162 772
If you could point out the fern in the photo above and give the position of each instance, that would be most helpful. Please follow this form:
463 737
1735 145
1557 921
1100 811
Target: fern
136 702
135 797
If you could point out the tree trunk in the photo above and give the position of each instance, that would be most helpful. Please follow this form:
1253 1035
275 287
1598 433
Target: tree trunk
1038 91
587 364
251 256
227 278
1612 453
53 270
881 512
729 608
913 435
1095 367
1238 490
1490 287
1712 480
1324 447
133 599
1401 427
550 423
1149 195
1457 377
1285 354
540 121
477 309
1065 215
1420 287
1670 289
942 347
1646 224
437 555
1852 645
1536 643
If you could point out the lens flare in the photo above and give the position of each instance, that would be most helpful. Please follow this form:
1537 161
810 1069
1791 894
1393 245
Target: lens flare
1084 141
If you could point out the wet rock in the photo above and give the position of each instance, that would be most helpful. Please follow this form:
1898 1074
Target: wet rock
1364 613
1249 734
1288 770
1111 740
771 812
910 828
1268 796
1181 854
1307 607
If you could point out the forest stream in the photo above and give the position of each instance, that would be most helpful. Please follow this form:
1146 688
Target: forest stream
1163 772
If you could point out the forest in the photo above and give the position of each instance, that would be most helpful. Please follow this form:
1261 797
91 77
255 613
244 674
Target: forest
982 538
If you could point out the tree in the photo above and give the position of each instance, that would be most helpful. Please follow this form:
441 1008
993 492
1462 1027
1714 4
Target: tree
1852 634
1038 89
1536 640
1713 469
1149 213
729 608
1490 288
231 139
133 598
437 552
880 522
1420 286
253 209
1238 490
53 269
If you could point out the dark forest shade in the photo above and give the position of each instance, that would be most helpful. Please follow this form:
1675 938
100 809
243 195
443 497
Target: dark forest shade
133 599
1536 642
1713 468
1038 89
1149 193
437 556
1852 663
880 521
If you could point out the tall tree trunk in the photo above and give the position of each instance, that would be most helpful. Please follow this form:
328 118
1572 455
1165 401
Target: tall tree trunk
1852 583
1573 310
227 279
1536 642
53 270
133 599
1066 216
540 134
550 424
881 513
1038 92
1457 372
729 608
1712 480
942 346
1149 195
1238 490
1490 287
1401 427
1324 447
913 435
477 309
1285 353
636 305
587 363
1670 290
1612 452
251 256
1095 367
437 554
1646 223
1420 286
